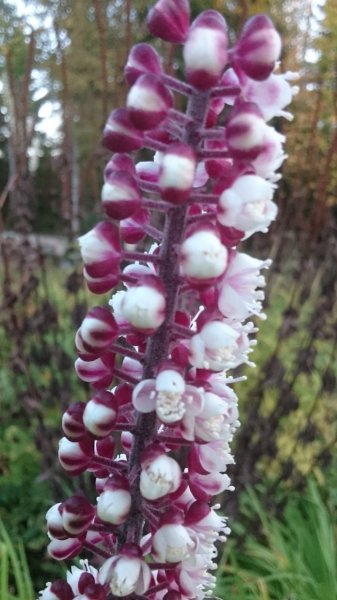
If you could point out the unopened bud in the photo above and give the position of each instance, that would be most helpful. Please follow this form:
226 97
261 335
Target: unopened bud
120 195
205 50
143 58
100 414
120 134
148 102
258 48
114 503
169 20
177 171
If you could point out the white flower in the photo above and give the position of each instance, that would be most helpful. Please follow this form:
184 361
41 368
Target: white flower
125 575
160 477
247 205
172 543
203 256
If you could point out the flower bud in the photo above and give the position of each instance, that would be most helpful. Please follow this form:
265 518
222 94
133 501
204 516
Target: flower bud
55 523
169 20
77 514
74 457
258 48
57 590
205 50
119 162
247 205
177 171
98 372
171 542
114 503
100 414
160 475
143 58
203 257
245 131
120 195
72 421
100 249
62 549
120 134
80 578
97 331
132 228
101 285
148 102
144 305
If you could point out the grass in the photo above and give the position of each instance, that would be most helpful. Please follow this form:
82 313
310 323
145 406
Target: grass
15 580
293 558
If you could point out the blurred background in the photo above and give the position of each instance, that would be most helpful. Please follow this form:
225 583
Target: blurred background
61 73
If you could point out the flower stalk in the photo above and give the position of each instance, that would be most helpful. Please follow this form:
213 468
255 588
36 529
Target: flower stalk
158 357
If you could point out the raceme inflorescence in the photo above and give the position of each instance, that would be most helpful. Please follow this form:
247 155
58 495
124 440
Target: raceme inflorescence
156 433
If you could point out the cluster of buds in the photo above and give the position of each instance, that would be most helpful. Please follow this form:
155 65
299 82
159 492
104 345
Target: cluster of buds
157 430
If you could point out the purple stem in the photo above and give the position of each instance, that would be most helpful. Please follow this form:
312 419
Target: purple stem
156 351
177 85
153 232
225 90
159 205
123 376
141 256
206 216
92 548
203 198
125 351
153 144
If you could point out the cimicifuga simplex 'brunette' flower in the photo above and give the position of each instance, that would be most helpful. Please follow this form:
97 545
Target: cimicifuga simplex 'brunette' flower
156 431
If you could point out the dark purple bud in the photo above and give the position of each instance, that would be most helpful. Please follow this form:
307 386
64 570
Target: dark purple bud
120 134
100 414
75 457
245 131
57 590
97 332
205 50
148 102
55 523
77 514
177 171
120 195
119 162
101 285
72 421
100 249
104 448
94 591
172 595
98 372
132 228
169 20
196 512
85 580
258 48
143 58
62 549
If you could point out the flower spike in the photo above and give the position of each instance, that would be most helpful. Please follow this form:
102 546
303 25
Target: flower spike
155 433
